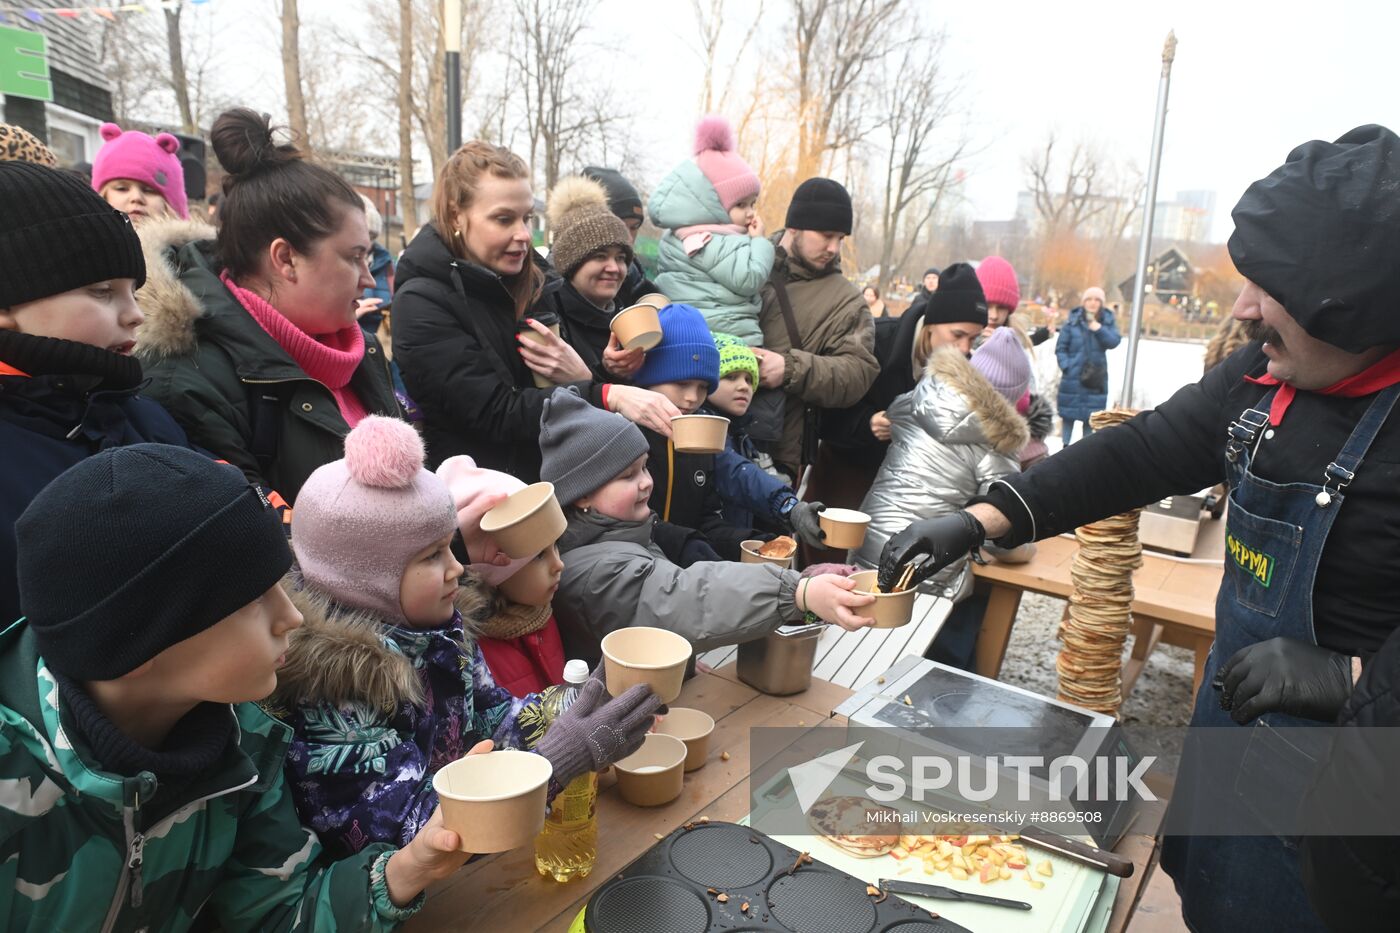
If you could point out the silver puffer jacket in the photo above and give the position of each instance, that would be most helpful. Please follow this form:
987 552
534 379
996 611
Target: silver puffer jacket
951 436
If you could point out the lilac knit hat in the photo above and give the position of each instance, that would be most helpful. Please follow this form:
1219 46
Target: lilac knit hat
476 491
137 156
1003 361
999 282
721 165
357 522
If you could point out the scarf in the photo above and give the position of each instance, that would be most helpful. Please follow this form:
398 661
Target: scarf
515 620
330 359
29 355
694 238
1381 374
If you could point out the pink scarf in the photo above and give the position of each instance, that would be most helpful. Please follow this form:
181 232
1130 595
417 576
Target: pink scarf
694 238
331 359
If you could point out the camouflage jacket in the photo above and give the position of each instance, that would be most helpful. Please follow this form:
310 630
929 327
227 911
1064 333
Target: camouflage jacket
85 849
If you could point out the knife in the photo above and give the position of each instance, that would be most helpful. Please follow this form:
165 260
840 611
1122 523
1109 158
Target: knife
946 894
1077 851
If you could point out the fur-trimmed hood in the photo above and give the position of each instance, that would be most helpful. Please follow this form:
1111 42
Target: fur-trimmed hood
995 418
171 309
341 656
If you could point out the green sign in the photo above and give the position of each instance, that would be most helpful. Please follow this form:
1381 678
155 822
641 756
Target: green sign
24 64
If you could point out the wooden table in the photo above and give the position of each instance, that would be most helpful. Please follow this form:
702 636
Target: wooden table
1174 600
504 892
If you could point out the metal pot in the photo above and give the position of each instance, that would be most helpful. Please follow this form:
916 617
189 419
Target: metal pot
780 664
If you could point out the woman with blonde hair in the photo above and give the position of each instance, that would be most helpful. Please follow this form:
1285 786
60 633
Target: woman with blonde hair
467 348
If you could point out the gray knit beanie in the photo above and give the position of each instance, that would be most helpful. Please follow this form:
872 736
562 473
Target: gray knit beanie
584 447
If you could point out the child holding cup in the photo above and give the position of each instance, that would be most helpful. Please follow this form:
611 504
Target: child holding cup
381 686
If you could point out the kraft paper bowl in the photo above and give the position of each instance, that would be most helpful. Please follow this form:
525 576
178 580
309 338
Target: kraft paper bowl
637 326
527 522
699 434
748 554
494 802
655 299
644 655
890 610
654 774
693 727
845 528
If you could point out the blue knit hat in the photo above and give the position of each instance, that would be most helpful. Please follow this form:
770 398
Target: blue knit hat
686 351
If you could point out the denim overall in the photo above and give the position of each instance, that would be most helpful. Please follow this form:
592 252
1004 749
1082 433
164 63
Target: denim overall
1275 537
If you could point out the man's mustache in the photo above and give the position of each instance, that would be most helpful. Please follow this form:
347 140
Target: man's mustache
1258 330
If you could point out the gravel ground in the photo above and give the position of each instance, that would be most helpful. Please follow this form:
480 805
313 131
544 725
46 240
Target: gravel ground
1160 698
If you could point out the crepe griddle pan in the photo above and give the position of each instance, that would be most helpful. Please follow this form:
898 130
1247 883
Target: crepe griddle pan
667 889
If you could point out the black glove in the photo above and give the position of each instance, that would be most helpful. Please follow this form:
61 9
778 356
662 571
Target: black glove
805 525
944 539
1284 675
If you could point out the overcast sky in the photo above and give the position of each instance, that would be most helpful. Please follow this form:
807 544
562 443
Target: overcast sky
1251 80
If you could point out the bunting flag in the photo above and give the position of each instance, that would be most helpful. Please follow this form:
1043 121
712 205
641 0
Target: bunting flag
105 11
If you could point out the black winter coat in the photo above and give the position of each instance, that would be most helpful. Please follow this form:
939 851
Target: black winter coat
847 430
685 495
1178 449
454 328
53 418
583 325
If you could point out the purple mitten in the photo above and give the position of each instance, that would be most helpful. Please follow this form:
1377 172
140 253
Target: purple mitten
841 570
596 731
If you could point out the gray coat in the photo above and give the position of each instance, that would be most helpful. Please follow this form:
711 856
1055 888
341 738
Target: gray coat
950 438
615 576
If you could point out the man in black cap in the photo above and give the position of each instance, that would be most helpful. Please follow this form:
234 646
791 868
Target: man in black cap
818 336
1298 422
626 203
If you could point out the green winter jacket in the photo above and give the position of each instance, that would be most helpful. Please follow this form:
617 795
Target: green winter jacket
723 279
219 373
84 849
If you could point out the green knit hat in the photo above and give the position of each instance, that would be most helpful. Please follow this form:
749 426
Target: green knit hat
735 356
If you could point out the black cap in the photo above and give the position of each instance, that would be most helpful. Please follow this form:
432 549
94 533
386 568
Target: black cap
820 204
623 199
57 234
137 548
1321 235
959 298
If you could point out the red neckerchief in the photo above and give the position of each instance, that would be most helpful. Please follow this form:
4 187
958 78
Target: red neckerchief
1382 374
7 370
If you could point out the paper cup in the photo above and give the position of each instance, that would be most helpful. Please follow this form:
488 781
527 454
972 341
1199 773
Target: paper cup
890 610
655 299
655 773
748 554
699 434
527 522
637 326
529 334
644 655
693 727
494 802
845 528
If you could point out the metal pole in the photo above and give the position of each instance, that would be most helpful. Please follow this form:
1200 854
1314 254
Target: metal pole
1148 215
452 42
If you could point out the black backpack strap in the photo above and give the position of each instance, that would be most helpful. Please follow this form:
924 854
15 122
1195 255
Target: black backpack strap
785 303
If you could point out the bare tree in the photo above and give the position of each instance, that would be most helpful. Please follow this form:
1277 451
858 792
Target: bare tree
918 107
408 208
291 71
710 17
179 81
1065 198
126 52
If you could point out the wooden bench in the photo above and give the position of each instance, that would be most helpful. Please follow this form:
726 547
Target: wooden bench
1174 600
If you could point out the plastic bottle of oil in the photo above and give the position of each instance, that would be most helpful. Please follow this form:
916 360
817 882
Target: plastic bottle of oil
567 847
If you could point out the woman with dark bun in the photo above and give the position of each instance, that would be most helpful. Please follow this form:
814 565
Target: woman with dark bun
250 336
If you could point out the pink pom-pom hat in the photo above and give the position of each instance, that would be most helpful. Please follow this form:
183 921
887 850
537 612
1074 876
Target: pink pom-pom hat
721 165
476 491
137 156
359 521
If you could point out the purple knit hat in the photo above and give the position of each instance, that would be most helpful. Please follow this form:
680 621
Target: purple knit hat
150 161
357 522
999 282
1003 361
725 170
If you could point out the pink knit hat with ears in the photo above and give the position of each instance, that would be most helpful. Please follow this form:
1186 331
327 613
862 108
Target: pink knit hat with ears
729 174
150 161
998 281
476 491
359 521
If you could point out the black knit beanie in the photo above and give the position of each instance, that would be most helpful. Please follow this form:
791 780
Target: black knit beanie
137 548
57 234
820 204
623 199
958 299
